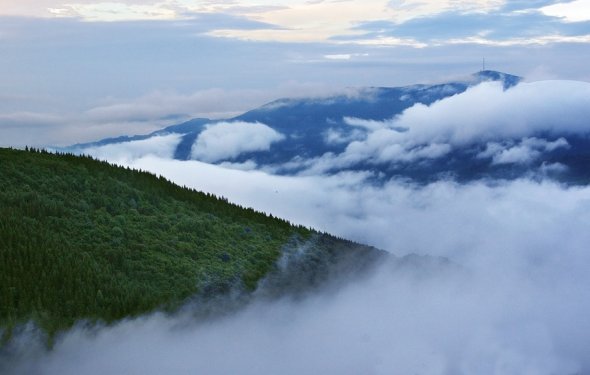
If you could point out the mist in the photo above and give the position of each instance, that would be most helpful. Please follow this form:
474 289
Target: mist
515 300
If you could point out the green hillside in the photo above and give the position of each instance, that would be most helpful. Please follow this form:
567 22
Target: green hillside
83 239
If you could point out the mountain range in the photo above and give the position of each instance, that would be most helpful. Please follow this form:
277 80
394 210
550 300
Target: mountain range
321 135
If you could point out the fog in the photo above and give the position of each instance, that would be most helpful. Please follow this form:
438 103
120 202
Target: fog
516 300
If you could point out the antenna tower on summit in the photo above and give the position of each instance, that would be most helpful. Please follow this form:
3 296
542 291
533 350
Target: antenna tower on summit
483 65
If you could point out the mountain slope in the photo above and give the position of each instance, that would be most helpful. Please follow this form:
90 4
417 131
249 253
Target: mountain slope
82 239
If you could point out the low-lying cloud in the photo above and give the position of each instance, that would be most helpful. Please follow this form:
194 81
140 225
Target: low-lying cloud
162 146
485 114
227 140
527 150
515 303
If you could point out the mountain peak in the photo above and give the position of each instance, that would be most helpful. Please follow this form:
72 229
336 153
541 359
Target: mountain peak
508 80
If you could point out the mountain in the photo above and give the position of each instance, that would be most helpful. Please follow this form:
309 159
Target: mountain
333 134
82 239
306 120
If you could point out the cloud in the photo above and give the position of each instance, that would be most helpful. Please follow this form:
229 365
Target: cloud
525 152
161 146
540 40
114 12
516 303
227 140
487 111
18 129
370 125
332 19
382 146
573 11
337 137
29 119
345 56
122 10
483 114
284 21
501 27
282 12
208 103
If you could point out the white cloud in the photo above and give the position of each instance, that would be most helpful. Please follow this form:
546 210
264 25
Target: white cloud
386 41
487 111
248 165
526 151
212 103
29 119
227 140
162 146
343 56
410 9
336 137
88 9
572 11
362 123
484 113
116 11
540 40
320 20
381 146
292 21
516 155
551 168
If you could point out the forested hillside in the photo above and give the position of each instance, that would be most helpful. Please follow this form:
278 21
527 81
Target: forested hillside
83 239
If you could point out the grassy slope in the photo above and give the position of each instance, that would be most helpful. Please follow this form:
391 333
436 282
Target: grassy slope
83 239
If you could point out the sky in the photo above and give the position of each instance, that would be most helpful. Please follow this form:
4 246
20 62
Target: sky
74 71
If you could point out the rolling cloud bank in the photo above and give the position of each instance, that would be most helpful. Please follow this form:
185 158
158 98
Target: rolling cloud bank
514 301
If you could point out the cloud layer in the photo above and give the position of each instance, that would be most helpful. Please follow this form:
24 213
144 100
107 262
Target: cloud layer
516 125
487 112
162 146
227 140
374 22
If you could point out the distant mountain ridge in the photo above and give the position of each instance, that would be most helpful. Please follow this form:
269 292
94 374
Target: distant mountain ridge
309 130
309 115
